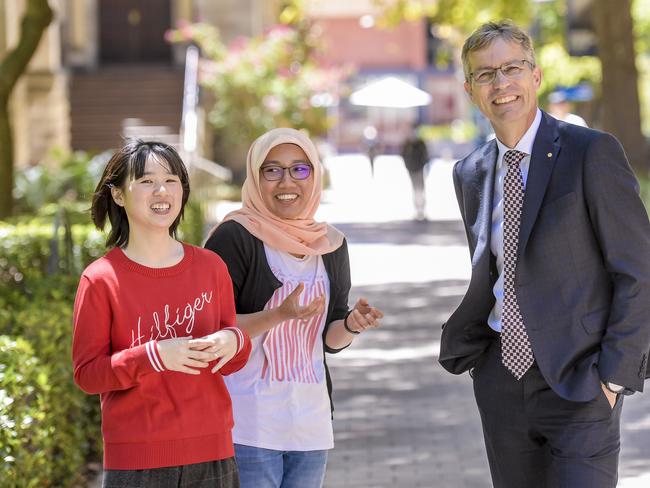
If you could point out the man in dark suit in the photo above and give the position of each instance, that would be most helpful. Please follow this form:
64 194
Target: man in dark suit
555 324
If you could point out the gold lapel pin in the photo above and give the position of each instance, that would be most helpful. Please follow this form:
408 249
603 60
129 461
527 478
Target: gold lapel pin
549 155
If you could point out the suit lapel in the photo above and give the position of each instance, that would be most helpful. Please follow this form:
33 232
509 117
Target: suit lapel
484 178
542 161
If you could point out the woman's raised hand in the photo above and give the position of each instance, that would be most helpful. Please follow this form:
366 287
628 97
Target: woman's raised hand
181 355
363 316
290 308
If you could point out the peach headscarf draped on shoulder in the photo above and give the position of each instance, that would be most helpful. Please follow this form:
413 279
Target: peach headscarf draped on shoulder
302 235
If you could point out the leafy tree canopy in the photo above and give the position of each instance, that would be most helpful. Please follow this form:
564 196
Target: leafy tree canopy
271 80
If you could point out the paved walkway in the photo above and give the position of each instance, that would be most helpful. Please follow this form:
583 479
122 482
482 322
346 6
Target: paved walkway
400 419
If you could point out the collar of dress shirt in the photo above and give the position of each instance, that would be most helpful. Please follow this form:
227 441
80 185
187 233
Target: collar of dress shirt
525 144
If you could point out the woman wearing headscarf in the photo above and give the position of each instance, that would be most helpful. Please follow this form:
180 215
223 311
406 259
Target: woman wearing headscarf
291 280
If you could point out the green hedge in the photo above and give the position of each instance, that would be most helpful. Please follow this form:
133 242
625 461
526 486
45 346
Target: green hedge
25 396
70 433
28 244
50 428
36 300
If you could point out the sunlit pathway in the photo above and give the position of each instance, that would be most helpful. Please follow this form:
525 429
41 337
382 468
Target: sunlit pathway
356 196
400 420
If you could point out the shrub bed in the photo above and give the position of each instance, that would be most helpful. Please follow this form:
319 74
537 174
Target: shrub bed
50 429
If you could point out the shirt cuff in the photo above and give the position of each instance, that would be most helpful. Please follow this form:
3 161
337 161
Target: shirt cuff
240 338
154 356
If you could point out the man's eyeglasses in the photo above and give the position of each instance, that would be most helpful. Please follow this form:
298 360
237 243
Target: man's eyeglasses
511 70
300 171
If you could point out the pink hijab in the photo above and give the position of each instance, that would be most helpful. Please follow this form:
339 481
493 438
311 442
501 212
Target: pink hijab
302 235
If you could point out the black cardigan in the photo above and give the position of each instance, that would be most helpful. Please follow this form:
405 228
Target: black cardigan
254 283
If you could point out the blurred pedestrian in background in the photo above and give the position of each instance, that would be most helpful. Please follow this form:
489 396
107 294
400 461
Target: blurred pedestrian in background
415 155
371 146
150 318
560 108
291 278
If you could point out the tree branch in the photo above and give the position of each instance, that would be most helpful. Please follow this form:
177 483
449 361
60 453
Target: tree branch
37 17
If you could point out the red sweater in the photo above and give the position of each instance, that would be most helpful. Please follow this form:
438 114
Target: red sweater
152 417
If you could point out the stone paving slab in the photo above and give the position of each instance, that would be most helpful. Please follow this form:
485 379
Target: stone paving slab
400 419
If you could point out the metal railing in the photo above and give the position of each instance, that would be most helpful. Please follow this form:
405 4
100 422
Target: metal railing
206 175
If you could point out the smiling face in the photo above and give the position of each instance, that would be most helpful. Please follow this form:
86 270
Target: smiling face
153 201
510 104
286 198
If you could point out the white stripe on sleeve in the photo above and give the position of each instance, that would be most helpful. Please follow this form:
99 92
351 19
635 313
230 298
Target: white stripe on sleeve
154 357
240 337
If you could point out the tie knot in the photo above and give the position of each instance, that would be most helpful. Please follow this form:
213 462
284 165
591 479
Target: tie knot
513 158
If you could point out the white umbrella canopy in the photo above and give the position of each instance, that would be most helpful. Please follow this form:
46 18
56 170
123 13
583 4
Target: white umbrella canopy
390 92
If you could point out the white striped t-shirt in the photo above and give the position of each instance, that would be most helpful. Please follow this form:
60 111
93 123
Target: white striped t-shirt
280 398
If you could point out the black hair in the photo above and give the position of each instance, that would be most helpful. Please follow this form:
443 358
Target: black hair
129 163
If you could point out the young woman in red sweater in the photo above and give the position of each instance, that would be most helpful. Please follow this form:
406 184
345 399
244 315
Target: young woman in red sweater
154 332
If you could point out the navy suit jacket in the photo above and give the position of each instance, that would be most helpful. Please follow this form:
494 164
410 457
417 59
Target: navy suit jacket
583 266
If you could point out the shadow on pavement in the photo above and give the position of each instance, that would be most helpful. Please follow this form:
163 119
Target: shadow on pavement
406 232
400 420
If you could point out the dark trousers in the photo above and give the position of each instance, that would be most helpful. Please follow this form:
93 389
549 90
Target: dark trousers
419 195
536 439
212 474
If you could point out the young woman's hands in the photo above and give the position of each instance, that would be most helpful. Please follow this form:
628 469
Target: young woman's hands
221 344
258 323
363 316
185 354
290 308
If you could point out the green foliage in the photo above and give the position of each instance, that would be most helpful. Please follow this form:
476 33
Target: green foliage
71 178
25 396
261 83
192 226
641 16
36 301
27 246
645 190
292 12
470 14
36 297
560 69
456 19
50 429
546 21
458 131
463 15
65 432
42 315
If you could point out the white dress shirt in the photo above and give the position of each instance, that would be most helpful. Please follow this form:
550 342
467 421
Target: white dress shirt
524 145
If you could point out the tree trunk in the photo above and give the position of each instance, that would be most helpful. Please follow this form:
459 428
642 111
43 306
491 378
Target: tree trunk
620 95
6 161
37 17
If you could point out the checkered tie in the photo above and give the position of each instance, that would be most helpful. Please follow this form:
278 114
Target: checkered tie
516 353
